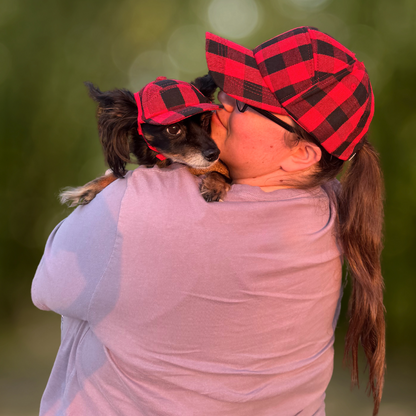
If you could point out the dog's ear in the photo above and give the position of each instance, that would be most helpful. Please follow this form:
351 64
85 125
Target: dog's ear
206 85
117 125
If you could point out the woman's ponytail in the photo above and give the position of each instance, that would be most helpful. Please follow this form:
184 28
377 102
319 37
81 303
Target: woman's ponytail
360 212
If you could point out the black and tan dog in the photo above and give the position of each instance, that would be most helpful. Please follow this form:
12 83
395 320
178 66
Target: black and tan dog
186 141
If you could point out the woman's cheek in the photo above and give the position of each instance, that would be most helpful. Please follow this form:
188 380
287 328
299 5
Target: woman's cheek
218 132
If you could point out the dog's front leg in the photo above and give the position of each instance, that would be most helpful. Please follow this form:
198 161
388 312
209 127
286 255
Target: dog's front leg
85 194
214 186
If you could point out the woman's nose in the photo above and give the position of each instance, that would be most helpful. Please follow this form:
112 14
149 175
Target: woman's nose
227 101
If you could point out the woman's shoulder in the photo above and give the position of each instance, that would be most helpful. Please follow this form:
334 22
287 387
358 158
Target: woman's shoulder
175 186
150 181
146 189
161 182
157 174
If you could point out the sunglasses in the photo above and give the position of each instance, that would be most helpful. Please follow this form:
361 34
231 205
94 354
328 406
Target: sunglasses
243 107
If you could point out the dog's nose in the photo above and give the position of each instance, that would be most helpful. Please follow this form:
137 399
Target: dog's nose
211 154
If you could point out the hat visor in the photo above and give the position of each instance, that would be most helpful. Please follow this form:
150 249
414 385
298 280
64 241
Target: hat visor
174 116
235 71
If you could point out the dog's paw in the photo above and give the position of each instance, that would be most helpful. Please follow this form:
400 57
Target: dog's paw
85 194
214 187
77 196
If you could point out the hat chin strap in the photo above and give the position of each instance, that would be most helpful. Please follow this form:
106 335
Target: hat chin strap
158 155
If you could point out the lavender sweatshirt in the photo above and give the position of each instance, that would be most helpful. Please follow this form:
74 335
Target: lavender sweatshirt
175 306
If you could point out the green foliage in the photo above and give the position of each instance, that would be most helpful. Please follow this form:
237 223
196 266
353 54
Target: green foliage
47 123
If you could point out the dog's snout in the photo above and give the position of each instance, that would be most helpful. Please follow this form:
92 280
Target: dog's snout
211 154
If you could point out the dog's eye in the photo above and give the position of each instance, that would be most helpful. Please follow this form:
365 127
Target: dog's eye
174 129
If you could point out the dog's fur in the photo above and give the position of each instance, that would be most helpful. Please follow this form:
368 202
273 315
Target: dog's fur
186 142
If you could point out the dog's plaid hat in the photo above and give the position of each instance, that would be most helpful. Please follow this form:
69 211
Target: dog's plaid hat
167 101
302 73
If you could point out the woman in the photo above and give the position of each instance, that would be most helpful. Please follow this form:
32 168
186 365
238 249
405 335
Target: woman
173 306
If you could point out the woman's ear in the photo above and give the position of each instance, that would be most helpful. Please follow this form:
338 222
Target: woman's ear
303 156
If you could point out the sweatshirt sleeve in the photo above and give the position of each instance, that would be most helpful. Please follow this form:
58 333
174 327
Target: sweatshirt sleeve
77 253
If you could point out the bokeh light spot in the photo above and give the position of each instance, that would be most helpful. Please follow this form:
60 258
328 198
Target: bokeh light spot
186 48
309 4
333 25
233 18
300 10
148 66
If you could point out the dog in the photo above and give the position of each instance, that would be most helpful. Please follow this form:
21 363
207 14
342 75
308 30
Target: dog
126 127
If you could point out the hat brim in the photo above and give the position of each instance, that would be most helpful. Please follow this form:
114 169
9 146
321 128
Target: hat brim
174 116
235 71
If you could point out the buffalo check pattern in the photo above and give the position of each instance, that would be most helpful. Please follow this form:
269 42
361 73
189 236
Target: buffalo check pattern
167 101
302 73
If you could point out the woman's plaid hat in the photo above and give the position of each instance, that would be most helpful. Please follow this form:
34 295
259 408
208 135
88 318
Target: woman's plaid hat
302 73
167 101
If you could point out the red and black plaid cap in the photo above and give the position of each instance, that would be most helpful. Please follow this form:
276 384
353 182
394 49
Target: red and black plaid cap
167 101
302 73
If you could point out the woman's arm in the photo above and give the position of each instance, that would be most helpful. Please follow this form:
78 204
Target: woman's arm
77 253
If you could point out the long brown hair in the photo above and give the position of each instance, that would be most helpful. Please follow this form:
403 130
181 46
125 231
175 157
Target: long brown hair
360 218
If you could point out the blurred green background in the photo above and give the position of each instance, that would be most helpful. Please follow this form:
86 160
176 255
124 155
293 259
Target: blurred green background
49 140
